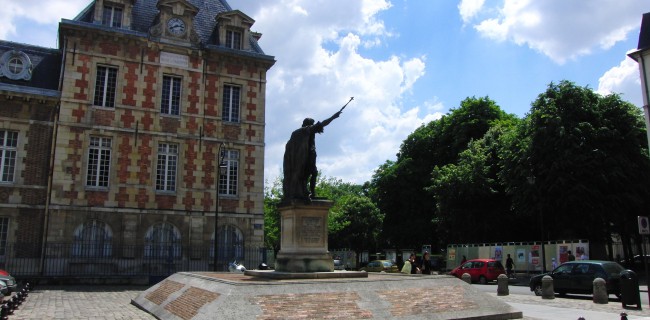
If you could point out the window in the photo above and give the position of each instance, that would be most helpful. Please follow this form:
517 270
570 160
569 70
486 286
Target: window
230 110
228 176
99 161
112 16
233 39
8 151
166 167
92 239
230 241
4 230
171 95
162 240
105 86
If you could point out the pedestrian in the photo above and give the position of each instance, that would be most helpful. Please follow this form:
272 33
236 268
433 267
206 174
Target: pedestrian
426 263
510 265
464 260
571 257
414 264
553 263
406 268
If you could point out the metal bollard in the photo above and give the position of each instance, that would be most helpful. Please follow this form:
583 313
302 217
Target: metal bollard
547 288
502 285
467 278
600 291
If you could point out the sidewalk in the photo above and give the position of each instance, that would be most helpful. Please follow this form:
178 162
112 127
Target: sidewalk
536 308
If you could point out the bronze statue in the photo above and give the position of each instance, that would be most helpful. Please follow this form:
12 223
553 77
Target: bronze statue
300 160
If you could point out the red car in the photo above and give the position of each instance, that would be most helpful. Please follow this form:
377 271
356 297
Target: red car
480 270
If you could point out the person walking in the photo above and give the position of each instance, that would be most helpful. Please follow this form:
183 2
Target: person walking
571 257
426 263
510 265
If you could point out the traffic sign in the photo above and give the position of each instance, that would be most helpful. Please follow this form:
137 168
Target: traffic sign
644 225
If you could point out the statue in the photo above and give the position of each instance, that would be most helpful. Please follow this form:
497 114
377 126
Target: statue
300 160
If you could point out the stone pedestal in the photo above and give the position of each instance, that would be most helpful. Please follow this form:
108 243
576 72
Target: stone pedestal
303 243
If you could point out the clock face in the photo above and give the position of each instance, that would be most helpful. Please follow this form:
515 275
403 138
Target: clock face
176 26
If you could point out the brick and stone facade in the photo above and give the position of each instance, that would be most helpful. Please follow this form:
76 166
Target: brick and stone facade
147 101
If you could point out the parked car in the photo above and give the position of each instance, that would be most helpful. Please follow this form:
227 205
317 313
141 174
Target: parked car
480 270
4 290
381 266
578 277
638 263
9 281
338 265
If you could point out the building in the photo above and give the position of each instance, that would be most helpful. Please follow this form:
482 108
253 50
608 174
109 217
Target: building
153 98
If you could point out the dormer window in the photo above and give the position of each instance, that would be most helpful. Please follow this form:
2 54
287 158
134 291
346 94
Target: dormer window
112 16
233 39
15 65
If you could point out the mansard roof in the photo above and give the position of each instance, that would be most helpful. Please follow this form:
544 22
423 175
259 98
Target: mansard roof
644 35
145 15
45 69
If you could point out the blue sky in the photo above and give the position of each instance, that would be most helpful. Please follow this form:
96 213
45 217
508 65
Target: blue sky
406 62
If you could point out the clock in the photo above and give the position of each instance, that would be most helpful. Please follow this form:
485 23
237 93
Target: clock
176 26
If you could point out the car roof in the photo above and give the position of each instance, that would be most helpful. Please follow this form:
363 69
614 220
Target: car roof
482 260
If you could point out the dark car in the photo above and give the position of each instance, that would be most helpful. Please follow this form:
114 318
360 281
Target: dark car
480 270
578 277
381 266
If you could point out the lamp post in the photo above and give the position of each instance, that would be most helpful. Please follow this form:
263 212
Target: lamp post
220 164
531 181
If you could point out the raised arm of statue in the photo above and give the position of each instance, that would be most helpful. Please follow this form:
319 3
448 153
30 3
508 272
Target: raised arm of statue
328 120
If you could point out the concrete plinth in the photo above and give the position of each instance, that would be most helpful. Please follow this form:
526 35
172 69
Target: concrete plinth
209 295
303 242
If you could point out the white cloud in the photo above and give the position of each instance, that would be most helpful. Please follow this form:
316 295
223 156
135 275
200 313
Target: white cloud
562 30
469 8
35 11
319 68
623 79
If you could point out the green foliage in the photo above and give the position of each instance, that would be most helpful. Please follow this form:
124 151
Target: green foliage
272 198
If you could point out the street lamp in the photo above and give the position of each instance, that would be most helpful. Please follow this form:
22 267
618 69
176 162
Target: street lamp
220 165
531 181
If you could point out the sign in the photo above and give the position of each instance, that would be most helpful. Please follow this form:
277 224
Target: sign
176 60
644 225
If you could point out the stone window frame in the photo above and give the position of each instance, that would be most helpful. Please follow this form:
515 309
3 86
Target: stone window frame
160 238
106 86
9 65
98 169
231 109
170 98
110 12
92 239
8 155
234 39
229 182
167 163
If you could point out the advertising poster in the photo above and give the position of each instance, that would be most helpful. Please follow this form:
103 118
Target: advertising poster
564 254
582 252
521 255
534 255
498 253
451 254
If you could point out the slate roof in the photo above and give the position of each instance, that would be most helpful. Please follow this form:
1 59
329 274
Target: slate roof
46 64
145 13
644 35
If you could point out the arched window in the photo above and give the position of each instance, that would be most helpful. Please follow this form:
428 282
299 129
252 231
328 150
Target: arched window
93 239
230 245
162 240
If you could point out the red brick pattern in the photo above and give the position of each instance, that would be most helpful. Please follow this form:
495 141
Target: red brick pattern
187 305
332 305
166 288
411 302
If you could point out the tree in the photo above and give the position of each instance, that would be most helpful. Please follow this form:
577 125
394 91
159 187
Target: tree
400 188
359 223
583 164
272 199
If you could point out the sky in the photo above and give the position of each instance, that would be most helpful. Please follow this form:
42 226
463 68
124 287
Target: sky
405 62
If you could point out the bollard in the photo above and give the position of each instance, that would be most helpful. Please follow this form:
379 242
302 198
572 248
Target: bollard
502 285
600 291
623 316
467 278
547 288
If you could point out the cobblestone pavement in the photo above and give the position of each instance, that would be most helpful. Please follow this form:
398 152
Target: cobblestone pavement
82 302
114 302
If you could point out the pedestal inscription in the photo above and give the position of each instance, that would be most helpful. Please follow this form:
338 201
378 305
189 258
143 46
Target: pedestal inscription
303 241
